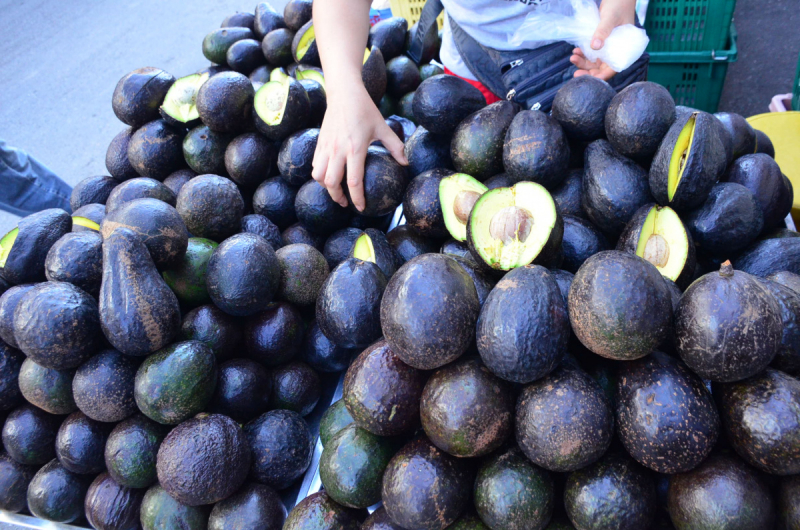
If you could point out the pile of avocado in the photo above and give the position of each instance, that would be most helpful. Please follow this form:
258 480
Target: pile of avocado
589 318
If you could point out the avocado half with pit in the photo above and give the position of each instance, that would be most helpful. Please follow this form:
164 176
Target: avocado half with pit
688 163
458 194
281 108
512 227
304 45
179 108
658 235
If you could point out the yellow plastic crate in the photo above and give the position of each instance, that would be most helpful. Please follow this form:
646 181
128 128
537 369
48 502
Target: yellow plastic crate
411 10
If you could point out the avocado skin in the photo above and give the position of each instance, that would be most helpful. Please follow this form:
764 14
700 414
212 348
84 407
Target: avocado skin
225 102
352 466
501 180
788 357
322 354
510 492
764 144
580 107
427 151
188 279
339 245
374 76
789 502
567 196
564 421
424 487
103 386
176 382
667 417
402 76
466 410
218 330
262 226
155 150
239 20
176 180
159 510
29 435
384 185
769 256
703 167
238 290
57 325
110 505
421 205
253 506
297 233
56 494
156 224
8 304
216 43
722 493
273 336
619 306
443 101
317 99
296 155
477 144
204 150
274 199
317 211
409 244
536 149
11 361
249 159
480 277
729 220
615 492
91 190
380 520
117 162
382 393
770 444
245 55
785 278
739 332
386 257
37 233
211 207
295 115
405 106
429 310
14 480
389 36
130 452
614 187
333 420
742 134
243 390
295 387
266 20
760 174
138 95
637 119
348 306
319 512
203 460
139 188
93 212
277 47
282 447
150 317
581 241
303 273
80 443
311 56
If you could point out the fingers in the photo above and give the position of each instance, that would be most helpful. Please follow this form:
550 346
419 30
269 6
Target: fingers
333 177
392 143
320 164
582 62
355 177
608 21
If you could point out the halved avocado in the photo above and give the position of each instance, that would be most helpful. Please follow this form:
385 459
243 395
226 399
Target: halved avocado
373 246
303 71
281 108
658 235
373 73
304 45
512 227
180 104
81 223
278 74
458 194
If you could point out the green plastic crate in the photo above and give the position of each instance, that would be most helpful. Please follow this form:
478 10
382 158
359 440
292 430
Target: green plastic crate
694 79
796 89
688 25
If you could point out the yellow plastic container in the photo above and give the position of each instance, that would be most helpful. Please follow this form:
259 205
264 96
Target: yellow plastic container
411 10
783 128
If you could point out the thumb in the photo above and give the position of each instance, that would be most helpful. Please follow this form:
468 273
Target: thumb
604 29
393 144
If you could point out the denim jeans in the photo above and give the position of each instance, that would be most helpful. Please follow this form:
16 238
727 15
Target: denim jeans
27 186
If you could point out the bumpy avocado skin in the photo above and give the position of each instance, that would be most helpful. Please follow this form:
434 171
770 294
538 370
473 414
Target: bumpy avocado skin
56 494
536 149
14 480
336 418
110 505
281 446
130 452
36 234
789 502
427 151
77 258
320 512
477 145
80 443
29 435
638 117
769 256
788 357
253 506
159 510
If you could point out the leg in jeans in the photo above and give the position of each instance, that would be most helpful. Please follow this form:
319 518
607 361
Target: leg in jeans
28 186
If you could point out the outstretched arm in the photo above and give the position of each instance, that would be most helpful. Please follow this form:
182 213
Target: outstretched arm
352 120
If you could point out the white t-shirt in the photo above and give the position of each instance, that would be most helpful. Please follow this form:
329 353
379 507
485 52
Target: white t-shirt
489 22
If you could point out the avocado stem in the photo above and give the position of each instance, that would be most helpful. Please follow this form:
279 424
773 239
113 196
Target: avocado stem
726 269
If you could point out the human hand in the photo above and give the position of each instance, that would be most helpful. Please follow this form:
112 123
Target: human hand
352 122
613 13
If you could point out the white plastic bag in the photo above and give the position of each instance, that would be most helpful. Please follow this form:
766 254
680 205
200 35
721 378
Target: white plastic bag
621 49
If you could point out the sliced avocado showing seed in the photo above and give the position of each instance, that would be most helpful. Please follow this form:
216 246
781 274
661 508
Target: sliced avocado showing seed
510 227
5 245
363 249
180 103
84 222
663 242
458 194
680 156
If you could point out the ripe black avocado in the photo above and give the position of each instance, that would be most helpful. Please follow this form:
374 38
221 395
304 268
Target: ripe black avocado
769 256
117 162
389 35
384 184
281 108
274 199
11 361
426 151
138 95
225 102
402 76
103 386
91 190
77 258
282 447
296 387
760 174
581 241
741 132
409 244
139 188
276 47
29 435
250 159
156 149
80 442
56 494
209 324
580 107
266 19
374 75
24 249
421 206
111 505
788 357
320 512
536 149
441 102
211 207
14 480
638 118
296 13
245 55
296 156
317 211
243 390
253 506
216 43
297 233
477 145
160 509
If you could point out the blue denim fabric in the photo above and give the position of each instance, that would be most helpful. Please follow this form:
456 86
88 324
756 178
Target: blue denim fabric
27 186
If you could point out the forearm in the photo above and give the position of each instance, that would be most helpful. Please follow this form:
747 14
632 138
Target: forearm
341 28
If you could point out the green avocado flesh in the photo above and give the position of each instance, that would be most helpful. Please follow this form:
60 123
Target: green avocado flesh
458 194
305 43
270 101
663 241
180 103
510 226
5 245
680 155
314 75
278 74
86 223
363 249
